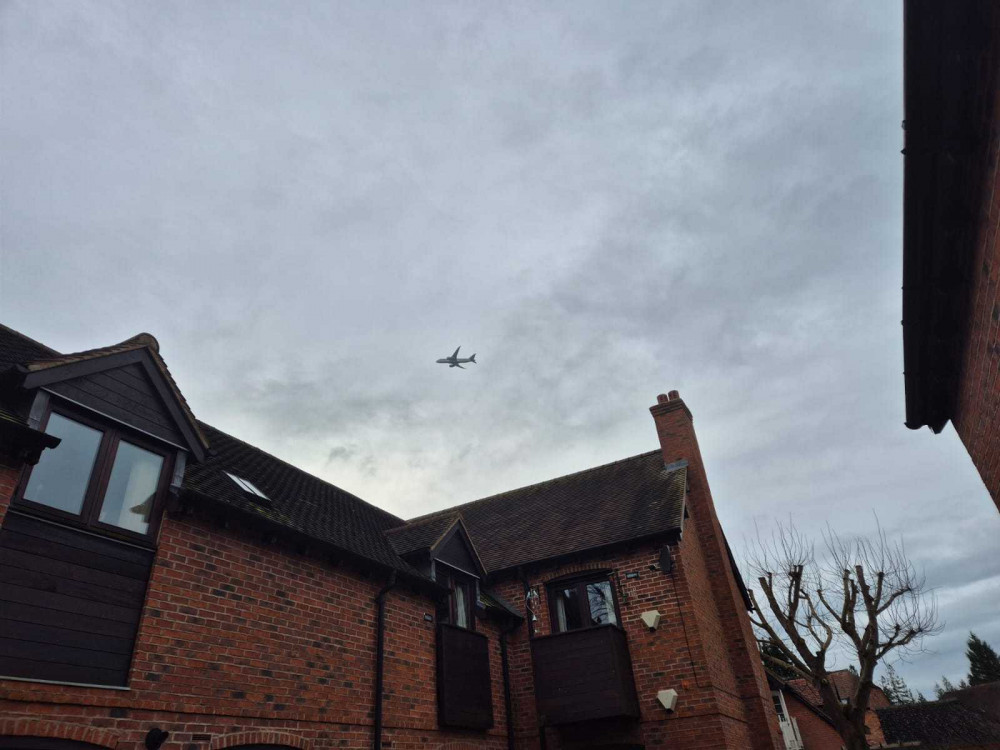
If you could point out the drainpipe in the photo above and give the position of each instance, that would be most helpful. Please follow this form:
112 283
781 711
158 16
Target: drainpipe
508 703
380 656
542 744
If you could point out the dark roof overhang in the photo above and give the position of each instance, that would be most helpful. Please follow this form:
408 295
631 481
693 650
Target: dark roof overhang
950 84
21 441
669 536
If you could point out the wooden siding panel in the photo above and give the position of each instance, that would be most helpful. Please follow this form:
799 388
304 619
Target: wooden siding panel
70 602
456 553
465 695
583 675
125 394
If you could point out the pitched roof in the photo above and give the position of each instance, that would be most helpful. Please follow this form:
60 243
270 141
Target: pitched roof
942 724
296 499
844 683
420 535
623 500
142 341
16 348
985 696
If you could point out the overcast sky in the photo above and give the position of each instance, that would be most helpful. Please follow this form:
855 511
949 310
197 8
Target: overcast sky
308 203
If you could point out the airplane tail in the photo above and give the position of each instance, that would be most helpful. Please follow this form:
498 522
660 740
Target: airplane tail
472 359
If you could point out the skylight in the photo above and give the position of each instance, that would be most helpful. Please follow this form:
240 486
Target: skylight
246 484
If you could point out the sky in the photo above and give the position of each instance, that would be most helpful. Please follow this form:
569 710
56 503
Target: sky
309 203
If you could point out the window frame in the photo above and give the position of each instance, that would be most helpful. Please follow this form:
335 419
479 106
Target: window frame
456 577
112 433
579 582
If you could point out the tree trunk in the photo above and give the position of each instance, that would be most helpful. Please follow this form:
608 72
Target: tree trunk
854 739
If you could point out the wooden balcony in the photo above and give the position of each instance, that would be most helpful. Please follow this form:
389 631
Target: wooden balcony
465 691
583 675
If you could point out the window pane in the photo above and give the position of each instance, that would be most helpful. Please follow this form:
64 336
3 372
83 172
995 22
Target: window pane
62 474
128 500
567 609
778 708
602 603
461 605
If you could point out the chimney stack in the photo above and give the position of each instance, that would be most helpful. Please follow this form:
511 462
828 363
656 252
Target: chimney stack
675 428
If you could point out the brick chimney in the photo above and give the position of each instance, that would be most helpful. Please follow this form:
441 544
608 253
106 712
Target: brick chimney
675 428
721 619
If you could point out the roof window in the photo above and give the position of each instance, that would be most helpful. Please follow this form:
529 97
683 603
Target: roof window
247 485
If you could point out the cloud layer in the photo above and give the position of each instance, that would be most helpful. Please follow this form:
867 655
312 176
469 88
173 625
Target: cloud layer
604 202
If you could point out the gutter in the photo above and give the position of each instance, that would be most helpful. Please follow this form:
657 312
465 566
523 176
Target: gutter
380 657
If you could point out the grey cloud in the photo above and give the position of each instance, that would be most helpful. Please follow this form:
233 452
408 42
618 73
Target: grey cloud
307 208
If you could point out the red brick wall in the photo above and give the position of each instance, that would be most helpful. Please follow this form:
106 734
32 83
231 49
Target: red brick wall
816 733
709 713
977 412
238 636
675 429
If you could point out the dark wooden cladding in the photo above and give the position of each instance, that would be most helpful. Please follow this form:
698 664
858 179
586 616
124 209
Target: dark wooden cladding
70 602
465 690
124 393
582 675
455 553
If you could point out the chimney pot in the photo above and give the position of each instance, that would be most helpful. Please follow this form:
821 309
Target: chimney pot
662 398
674 395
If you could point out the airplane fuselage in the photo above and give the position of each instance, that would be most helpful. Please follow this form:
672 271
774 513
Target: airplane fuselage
455 361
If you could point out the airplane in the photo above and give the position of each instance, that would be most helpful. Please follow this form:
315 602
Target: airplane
455 361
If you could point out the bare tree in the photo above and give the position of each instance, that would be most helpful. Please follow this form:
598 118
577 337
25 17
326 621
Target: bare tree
863 597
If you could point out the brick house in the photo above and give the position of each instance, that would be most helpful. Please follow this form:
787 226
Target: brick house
803 724
845 684
951 218
164 584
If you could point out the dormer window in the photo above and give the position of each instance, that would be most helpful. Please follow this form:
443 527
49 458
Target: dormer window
247 486
100 475
461 602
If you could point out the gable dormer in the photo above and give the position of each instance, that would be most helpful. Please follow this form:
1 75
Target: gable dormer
77 541
127 382
125 434
442 549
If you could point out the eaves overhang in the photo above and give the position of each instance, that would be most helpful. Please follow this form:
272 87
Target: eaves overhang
949 90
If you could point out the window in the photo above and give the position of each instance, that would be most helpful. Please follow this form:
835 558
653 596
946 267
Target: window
461 603
247 486
99 475
779 705
583 603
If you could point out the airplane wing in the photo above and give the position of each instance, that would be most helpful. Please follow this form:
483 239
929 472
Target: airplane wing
456 354
458 366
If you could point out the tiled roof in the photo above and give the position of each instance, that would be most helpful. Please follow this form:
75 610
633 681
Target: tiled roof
296 499
620 501
16 348
420 535
140 341
985 696
844 682
616 502
939 724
